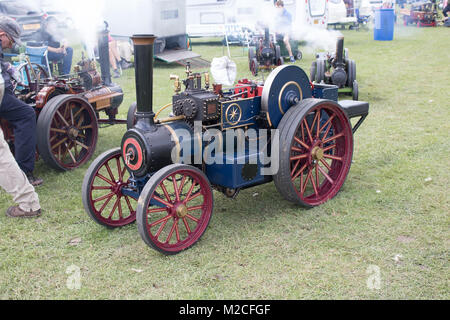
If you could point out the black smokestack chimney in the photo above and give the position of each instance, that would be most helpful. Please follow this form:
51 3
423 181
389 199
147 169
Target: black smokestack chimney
143 59
103 52
340 52
266 37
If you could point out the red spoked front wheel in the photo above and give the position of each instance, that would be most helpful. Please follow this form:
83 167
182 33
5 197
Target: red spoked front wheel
316 149
175 208
102 191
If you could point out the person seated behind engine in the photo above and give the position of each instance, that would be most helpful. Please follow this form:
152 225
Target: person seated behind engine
20 115
283 24
446 10
49 35
114 57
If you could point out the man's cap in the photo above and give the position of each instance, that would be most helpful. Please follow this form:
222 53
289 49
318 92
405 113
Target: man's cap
11 27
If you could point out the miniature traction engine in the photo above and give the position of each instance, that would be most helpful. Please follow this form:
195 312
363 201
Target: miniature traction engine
150 178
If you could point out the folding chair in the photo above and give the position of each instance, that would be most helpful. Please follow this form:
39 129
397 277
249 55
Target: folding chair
39 55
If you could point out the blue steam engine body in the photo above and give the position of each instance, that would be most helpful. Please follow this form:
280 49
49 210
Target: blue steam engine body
284 130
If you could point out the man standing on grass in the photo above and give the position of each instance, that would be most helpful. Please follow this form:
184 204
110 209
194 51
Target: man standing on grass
21 116
283 25
14 181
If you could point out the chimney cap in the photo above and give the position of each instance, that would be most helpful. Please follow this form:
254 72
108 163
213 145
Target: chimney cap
143 39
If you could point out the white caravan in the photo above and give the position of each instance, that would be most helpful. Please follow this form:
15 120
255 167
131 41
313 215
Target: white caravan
166 19
211 18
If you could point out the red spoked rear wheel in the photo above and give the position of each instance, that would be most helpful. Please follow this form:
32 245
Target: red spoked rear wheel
316 152
102 190
67 132
175 208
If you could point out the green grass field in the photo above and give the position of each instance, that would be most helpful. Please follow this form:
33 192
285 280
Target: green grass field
391 216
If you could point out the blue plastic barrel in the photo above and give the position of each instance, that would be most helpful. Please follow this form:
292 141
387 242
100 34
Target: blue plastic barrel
384 25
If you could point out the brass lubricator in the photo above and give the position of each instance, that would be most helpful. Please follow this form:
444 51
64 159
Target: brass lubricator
206 80
188 70
177 83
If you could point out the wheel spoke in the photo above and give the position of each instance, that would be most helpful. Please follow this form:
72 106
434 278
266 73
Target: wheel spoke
192 218
106 203
103 197
195 208
303 156
332 157
314 185
75 116
313 123
156 210
325 175
80 122
163 201
175 188
177 231
71 115
295 168
62 118
183 181
71 154
166 194
329 148
160 221
186 224
105 179
327 123
119 169
114 208
308 131
58 131
304 145
300 172
81 145
334 138
120 208
169 237
190 190
109 172
94 188
325 164
59 143
306 183
317 177
161 228
318 124
130 207
193 197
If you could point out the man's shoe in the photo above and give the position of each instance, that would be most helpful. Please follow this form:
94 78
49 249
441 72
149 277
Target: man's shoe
16 212
35 182
116 74
292 58
125 65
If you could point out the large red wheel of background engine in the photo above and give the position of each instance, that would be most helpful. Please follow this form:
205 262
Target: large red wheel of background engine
67 132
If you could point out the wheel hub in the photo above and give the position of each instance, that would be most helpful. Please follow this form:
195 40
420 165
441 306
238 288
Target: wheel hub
181 211
317 153
73 133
